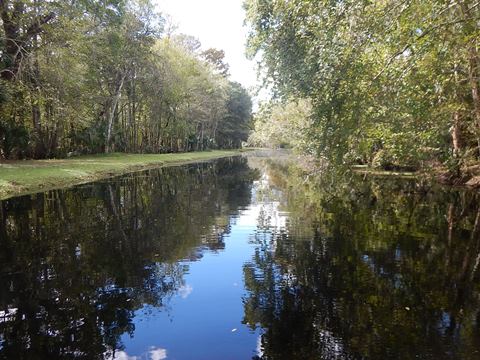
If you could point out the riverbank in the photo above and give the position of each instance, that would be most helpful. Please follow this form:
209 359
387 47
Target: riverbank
469 176
369 171
30 176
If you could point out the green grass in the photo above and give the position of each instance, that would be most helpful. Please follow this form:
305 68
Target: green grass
24 177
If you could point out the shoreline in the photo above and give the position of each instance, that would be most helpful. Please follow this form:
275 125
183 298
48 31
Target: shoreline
24 177
469 180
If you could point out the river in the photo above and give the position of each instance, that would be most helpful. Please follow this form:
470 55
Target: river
241 258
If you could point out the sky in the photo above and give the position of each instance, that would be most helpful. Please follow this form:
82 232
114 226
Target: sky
217 24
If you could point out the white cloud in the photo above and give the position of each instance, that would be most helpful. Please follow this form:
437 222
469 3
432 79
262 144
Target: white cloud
259 346
158 354
185 290
153 354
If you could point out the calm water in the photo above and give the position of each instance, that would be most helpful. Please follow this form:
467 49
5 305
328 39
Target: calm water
241 258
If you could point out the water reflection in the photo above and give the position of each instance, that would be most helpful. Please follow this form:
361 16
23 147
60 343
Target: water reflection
366 269
168 264
75 265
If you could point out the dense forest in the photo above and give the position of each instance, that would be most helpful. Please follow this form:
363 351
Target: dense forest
94 76
393 84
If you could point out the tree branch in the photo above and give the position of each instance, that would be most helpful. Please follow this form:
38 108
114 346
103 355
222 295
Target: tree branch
36 27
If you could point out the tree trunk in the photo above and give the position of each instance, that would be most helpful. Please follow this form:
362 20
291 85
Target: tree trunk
456 137
134 110
39 150
111 116
473 66
456 125
473 79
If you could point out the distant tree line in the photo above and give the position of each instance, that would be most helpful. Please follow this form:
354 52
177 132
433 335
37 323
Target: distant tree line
100 76
391 83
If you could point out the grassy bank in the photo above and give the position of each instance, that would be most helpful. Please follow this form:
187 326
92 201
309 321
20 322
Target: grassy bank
24 177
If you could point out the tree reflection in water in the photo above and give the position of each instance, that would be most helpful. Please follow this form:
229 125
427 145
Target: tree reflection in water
365 269
76 264
342 269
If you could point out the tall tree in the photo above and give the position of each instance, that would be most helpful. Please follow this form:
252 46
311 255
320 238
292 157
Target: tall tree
390 82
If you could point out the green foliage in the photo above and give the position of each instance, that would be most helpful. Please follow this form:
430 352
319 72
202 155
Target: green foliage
14 139
407 68
103 76
283 125
235 127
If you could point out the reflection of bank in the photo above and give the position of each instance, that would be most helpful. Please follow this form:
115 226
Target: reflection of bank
77 265
365 268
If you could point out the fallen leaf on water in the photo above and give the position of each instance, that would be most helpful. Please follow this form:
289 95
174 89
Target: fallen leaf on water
233 330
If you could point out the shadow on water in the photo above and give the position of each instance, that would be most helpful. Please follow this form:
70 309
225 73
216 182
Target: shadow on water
76 264
349 268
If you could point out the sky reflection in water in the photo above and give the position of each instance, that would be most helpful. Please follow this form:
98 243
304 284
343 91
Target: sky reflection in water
240 259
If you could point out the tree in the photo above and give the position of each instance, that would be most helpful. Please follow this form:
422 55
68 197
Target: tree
283 125
22 22
91 77
387 80
217 59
